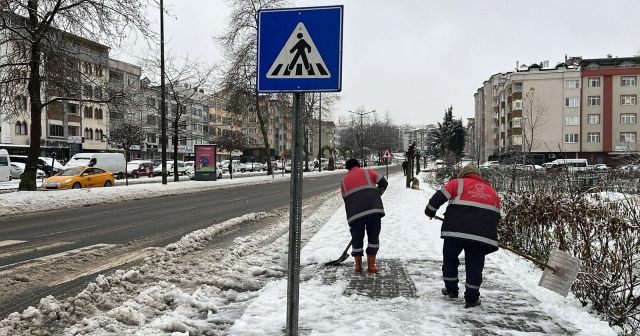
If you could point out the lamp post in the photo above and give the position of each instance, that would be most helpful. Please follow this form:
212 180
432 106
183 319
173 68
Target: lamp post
163 103
320 135
362 114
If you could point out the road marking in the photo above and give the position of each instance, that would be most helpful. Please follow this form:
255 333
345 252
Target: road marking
271 193
110 263
59 232
128 209
35 248
42 260
11 242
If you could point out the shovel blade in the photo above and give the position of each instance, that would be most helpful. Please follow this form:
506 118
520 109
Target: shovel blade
338 261
567 268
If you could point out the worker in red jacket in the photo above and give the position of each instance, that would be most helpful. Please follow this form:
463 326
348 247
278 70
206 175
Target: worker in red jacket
470 224
361 191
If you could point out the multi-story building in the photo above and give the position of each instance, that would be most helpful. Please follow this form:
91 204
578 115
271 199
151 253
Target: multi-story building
79 82
609 108
529 110
328 137
581 108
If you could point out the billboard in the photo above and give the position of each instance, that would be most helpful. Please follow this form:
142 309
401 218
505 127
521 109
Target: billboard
205 162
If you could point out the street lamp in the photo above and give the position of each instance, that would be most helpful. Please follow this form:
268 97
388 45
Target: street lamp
362 114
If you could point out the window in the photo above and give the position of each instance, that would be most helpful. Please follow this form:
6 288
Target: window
628 81
98 113
594 100
151 102
572 102
593 137
572 84
151 119
99 135
88 133
88 112
98 93
594 82
628 137
571 138
572 120
627 64
21 128
56 130
151 137
519 87
628 118
628 100
594 119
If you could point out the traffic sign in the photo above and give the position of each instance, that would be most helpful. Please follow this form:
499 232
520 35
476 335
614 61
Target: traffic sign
387 154
300 49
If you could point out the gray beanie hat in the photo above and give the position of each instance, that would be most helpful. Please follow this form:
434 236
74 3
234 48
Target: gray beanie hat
469 169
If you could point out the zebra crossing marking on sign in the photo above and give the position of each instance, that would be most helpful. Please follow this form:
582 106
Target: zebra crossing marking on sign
299 58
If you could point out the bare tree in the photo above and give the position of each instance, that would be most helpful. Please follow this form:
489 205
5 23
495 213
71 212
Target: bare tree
185 80
533 120
46 41
230 141
125 135
239 45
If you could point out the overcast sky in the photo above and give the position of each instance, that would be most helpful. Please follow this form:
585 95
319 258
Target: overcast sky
414 58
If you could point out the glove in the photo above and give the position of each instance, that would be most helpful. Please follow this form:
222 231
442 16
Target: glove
381 191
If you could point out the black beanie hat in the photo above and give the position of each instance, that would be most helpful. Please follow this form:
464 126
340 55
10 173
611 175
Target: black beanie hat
352 163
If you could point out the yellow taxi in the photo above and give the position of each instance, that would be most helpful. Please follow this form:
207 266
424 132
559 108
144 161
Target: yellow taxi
79 177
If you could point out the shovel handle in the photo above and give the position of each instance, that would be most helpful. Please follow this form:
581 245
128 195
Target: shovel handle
503 246
348 246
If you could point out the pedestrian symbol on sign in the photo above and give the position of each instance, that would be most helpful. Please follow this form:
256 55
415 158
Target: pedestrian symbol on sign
299 58
387 155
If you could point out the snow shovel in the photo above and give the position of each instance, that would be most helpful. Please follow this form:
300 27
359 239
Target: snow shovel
342 258
559 273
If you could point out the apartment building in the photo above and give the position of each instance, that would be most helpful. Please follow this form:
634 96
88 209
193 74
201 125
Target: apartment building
80 80
609 108
325 135
535 109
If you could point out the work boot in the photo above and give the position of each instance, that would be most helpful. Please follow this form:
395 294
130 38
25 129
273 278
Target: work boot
358 260
451 295
371 267
472 304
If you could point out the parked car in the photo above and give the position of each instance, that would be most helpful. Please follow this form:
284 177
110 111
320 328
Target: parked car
79 177
137 168
237 166
254 166
191 172
5 167
170 170
44 163
17 169
601 167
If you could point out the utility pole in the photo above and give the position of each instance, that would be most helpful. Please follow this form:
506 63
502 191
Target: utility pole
362 114
163 103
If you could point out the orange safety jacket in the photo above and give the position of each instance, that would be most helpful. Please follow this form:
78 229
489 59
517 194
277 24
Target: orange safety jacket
473 212
360 193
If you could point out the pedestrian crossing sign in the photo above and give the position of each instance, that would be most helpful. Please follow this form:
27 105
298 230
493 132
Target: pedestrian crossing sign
300 50
299 58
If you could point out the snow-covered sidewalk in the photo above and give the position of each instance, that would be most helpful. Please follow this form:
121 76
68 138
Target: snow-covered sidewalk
404 298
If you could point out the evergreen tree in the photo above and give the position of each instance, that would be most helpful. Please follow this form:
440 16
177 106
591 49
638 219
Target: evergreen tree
449 136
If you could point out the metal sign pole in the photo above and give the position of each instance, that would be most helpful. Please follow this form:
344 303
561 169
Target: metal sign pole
295 217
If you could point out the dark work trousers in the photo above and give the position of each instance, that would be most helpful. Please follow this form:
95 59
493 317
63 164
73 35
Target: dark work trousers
474 263
372 226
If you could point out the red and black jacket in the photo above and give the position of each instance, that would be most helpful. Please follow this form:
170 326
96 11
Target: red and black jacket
473 212
360 193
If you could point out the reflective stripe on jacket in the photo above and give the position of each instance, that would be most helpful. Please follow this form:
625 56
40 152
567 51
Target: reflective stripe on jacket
473 212
360 193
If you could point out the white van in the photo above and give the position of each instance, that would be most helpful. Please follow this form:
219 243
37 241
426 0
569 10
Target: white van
111 162
572 165
5 166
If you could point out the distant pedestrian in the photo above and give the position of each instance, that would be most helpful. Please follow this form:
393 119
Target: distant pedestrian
470 224
405 165
231 169
361 191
